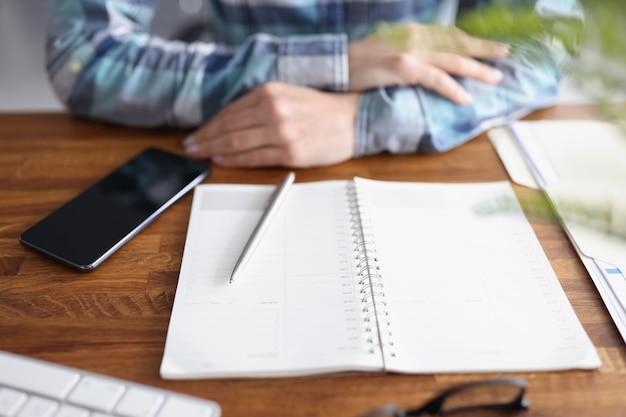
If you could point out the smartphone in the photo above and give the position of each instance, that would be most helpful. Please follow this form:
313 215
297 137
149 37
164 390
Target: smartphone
88 229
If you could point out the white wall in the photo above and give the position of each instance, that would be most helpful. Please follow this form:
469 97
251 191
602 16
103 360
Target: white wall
24 84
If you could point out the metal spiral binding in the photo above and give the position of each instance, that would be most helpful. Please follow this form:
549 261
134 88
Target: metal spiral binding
372 301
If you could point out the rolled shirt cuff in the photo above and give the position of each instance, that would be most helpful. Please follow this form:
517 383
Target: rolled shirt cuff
317 61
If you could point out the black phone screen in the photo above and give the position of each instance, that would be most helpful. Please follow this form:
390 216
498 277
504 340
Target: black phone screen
87 229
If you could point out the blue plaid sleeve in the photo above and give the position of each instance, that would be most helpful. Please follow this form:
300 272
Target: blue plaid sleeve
104 64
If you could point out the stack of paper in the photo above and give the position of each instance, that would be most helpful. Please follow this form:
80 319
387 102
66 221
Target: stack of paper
582 163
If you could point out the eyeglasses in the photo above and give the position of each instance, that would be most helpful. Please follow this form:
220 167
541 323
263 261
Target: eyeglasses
487 397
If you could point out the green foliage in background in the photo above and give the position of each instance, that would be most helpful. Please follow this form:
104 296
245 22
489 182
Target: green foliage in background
601 67
598 43
599 70
519 25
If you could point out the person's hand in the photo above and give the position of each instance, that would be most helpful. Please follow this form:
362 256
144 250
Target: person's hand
413 54
279 124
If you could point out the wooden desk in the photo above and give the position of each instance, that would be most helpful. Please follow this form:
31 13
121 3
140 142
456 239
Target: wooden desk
114 320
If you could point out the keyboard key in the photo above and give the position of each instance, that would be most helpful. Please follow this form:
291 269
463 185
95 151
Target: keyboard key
38 407
99 393
188 407
36 376
139 402
10 401
34 388
71 411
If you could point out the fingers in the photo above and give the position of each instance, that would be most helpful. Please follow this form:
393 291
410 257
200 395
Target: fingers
440 39
413 54
279 125
454 40
434 72
436 75
252 131
482 48
210 142
239 114
240 126
442 83
465 67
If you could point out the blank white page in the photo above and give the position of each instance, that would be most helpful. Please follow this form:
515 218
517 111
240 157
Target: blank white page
293 310
468 292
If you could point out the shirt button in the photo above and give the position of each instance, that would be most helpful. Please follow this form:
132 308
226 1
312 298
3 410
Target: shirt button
75 67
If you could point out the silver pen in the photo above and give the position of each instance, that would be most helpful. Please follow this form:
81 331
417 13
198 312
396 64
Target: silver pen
274 202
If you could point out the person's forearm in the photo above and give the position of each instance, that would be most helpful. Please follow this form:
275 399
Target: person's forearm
103 64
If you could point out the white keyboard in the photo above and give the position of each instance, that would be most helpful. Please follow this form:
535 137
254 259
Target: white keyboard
34 388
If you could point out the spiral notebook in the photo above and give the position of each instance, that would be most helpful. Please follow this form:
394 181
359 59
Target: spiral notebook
369 276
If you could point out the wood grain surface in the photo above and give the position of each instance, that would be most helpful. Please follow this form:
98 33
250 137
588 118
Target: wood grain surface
114 320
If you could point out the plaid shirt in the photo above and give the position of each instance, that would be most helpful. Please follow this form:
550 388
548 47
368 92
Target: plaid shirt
104 64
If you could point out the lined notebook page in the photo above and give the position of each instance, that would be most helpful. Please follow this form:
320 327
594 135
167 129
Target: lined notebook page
294 309
466 292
